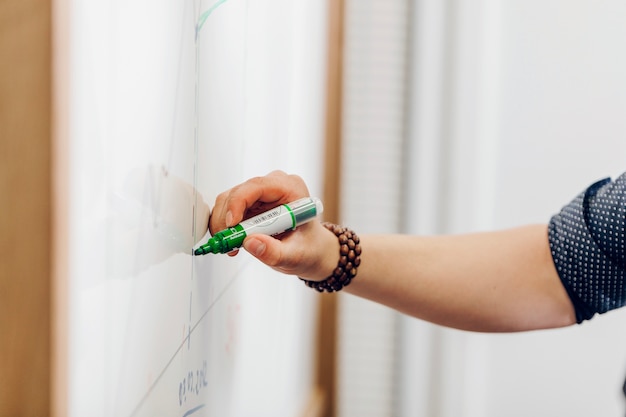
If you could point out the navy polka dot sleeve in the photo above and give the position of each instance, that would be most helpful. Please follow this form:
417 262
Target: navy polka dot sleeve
587 243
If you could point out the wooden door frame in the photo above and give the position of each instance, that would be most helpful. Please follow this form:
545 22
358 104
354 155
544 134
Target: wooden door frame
327 334
26 221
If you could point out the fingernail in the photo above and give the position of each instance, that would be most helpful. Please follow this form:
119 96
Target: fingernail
229 219
254 246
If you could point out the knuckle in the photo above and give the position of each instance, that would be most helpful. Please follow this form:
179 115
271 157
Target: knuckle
273 259
255 181
221 198
277 172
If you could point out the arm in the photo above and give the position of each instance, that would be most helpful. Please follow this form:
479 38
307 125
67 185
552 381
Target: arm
498 281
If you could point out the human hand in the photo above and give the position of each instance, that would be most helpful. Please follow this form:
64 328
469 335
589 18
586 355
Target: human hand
310 251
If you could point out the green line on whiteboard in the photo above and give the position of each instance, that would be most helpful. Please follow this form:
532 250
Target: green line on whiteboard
204 16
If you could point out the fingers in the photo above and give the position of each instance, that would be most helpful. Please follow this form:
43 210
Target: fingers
311 251
254 196
257 246
272 252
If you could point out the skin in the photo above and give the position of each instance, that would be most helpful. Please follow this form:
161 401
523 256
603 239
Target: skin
500 281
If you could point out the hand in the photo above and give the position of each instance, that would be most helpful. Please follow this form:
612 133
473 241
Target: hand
310 251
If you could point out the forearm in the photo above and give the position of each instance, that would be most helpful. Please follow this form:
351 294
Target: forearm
497 281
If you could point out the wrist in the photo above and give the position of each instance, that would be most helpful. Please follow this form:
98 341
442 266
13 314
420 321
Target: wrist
331 254
342 257
326 248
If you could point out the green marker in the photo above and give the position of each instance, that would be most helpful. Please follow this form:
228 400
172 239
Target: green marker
272 222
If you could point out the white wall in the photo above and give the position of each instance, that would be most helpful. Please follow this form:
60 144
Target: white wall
516 106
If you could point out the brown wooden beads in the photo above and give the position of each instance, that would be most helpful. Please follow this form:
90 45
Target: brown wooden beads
349 260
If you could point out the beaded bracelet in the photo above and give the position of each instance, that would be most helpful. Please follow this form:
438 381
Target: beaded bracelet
349 260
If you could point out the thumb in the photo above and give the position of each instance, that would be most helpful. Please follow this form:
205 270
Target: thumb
265 248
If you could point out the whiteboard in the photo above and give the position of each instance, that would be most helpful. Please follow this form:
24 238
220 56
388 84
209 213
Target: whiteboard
173 102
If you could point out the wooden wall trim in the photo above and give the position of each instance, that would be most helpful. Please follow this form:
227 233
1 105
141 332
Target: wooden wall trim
326 368
25 224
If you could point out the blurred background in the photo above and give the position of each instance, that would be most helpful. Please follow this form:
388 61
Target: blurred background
476 115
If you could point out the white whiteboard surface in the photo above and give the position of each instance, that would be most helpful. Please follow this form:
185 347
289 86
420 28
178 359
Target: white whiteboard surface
173 102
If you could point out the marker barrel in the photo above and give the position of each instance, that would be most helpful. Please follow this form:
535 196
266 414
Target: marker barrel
272 222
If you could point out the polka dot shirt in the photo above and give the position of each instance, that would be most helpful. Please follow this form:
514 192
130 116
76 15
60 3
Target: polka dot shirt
587 242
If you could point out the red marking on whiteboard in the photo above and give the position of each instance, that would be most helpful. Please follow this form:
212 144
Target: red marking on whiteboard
232 326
